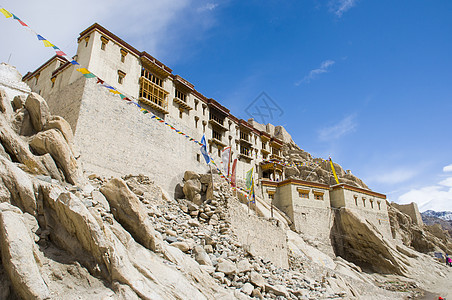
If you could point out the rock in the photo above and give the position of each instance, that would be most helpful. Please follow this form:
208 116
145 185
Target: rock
18 188
19 102
130 212
243 266
53 142
18 255
38 110
170 232
18 149
208 269
21 123
182 246
208 248
277 290
247 288
201 256
189 175
257 279
59 123
171 239
5 104
226 266
51 167
194 223
99 198
192 188
257 294
365 245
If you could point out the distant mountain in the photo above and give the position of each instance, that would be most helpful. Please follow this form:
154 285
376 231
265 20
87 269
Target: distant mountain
444 218
444 215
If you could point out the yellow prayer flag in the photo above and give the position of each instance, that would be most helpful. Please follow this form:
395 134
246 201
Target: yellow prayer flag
114 91
47 43
6 13
334 171
83 71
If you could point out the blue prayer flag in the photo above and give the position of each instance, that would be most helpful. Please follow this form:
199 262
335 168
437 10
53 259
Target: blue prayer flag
204 149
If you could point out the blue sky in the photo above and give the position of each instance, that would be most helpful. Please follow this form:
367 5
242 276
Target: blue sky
367 82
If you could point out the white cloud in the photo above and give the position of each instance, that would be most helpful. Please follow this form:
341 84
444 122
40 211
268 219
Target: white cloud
435 197
154 26
345 126
395 176
313 74
447 168
339 7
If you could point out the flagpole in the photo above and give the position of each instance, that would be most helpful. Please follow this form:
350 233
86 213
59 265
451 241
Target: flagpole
211 178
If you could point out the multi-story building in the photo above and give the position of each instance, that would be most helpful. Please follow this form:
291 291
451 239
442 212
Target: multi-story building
109 133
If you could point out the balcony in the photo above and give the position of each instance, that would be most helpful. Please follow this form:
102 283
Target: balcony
246 157
217 141
275 156
182 103
153 95
265 152
217 124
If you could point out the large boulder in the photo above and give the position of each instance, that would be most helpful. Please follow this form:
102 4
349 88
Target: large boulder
18 149
53 142
359 241
192 189
130 212
38 109
57 122
17 251
17 187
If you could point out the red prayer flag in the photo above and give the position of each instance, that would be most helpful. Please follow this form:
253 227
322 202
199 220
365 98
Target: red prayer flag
234 167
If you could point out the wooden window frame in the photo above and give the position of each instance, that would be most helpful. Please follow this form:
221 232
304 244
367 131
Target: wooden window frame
121 76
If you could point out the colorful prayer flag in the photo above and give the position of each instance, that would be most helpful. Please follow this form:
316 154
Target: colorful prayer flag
334 171
226 160
249 179
47 43
233 172
40 37
204 149
60 53
6 13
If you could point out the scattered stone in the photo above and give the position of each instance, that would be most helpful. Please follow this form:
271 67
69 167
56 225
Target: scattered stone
226 266
247 288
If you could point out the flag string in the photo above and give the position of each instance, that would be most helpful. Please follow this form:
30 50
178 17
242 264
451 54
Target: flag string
132 100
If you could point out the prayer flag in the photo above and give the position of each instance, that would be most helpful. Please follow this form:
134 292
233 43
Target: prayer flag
19 20
74 62
334 171
234 168
204 149
6 13
47 43
249 179
40 37
60 53
226 160
83 71
99 80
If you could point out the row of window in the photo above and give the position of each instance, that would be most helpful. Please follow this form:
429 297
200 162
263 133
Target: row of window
364 201
304 194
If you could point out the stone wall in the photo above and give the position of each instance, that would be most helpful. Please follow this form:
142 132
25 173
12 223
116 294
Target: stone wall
412 210
261 236
114 138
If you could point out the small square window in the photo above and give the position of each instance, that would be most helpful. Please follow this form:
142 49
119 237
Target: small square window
121 76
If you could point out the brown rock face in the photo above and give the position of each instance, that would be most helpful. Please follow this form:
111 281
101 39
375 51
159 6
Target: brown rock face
129 212
358 241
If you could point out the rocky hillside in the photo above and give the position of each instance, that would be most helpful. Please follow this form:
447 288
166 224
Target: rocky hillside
316 169
66 234
442 218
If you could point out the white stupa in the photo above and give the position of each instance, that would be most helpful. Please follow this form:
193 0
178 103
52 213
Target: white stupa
11 81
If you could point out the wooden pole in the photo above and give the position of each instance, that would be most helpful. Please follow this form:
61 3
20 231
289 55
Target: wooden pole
211 178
